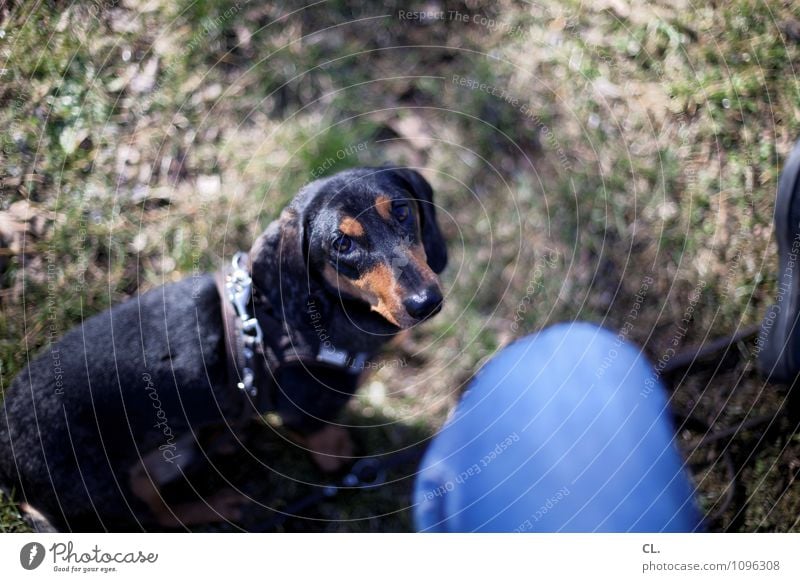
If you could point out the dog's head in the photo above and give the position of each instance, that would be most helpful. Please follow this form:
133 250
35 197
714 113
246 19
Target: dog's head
367 235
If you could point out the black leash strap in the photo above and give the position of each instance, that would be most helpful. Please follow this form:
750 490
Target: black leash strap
366 473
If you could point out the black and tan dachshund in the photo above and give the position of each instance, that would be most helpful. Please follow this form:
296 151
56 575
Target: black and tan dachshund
95 425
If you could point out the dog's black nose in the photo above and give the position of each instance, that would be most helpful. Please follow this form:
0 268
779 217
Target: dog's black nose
425 304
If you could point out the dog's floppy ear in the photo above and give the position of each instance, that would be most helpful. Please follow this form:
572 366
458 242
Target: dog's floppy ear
283 246
432 238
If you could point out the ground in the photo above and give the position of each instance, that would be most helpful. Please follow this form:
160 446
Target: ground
587 157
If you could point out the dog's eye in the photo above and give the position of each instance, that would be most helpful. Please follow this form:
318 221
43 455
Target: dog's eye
342 244
401 211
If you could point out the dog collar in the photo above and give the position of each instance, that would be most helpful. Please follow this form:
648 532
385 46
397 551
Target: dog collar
342 359
249 339
248 348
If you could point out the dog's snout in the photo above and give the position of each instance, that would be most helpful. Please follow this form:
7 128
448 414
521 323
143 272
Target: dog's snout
424 304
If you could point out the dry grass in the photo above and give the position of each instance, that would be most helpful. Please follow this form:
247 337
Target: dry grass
624 140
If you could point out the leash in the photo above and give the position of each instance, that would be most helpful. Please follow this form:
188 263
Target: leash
683 362
366 473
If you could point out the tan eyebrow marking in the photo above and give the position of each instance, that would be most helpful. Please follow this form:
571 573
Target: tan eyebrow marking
383 204
351 227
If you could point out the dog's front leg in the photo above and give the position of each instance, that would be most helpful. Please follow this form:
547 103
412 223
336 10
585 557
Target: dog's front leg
331 447
153 471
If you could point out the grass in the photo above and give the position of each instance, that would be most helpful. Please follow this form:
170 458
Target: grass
630 139
11 519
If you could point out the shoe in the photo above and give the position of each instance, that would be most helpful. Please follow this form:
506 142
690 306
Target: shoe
778 343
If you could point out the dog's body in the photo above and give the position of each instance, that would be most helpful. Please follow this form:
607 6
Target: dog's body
102 418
